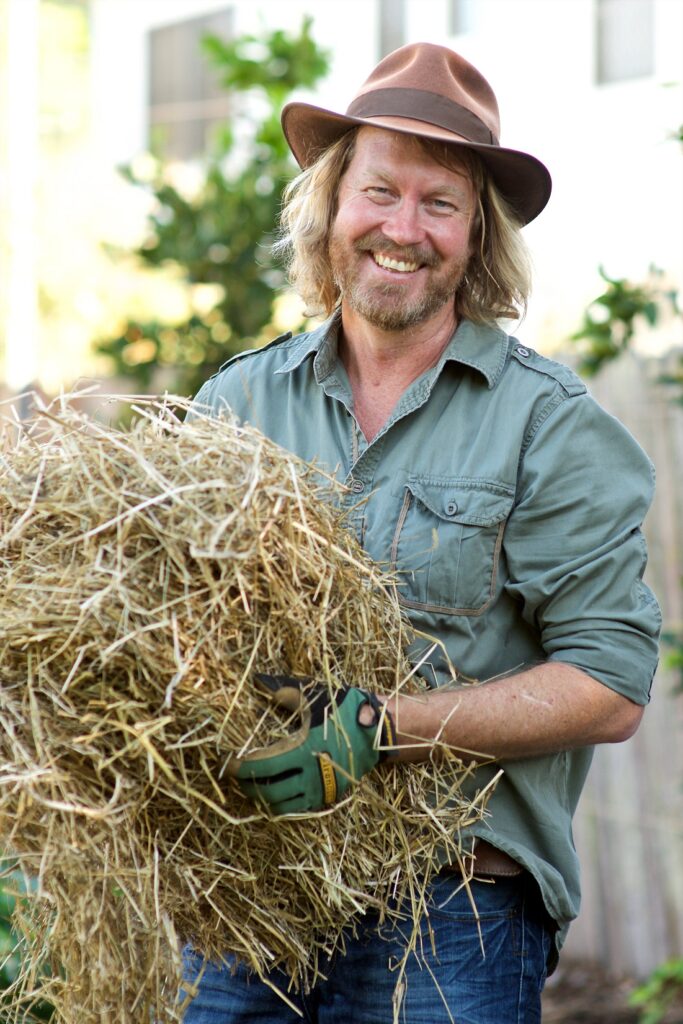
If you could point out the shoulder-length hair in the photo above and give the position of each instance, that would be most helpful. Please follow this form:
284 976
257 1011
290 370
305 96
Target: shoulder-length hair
497 279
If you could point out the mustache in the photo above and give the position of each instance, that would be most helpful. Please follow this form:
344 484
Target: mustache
375 241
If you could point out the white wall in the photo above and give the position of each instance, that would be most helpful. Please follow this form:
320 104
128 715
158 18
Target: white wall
120 57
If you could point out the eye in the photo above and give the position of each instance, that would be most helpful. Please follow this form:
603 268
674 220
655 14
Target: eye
378 193
443 205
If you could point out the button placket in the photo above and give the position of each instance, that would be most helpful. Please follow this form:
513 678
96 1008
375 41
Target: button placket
359 481
356 485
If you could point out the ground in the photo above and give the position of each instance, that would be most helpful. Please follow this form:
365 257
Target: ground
579 994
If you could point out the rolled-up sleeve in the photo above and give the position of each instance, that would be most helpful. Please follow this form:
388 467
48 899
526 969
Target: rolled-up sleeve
575 549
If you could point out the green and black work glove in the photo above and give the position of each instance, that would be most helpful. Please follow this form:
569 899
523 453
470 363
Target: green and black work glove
316 765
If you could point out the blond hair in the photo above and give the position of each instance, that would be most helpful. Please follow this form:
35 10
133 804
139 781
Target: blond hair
497 279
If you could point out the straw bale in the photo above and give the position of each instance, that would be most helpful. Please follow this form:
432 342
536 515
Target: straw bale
147 573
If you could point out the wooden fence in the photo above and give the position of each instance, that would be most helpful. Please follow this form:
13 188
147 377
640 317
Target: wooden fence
629 825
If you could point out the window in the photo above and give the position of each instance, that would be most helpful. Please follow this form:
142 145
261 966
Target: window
624 39
460 17
392 25
186 100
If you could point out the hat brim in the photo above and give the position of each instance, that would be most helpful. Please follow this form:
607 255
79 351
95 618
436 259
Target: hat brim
522 179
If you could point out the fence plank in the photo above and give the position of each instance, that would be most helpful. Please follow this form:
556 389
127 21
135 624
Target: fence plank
629 825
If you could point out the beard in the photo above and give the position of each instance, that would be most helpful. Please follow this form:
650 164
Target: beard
386 305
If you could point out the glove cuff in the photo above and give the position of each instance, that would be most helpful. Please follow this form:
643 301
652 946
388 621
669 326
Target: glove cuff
387 735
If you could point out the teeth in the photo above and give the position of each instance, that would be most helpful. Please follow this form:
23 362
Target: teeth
391 264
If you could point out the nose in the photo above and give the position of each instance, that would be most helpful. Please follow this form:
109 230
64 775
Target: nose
403 225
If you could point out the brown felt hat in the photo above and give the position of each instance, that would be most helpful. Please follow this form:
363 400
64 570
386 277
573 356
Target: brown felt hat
428 90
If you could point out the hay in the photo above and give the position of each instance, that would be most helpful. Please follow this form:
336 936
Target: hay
146 574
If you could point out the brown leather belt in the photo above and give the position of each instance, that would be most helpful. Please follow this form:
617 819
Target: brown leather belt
489 862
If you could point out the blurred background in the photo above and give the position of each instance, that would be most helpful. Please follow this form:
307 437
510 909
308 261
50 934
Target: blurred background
141 167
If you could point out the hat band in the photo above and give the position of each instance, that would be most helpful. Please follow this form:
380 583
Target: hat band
423 106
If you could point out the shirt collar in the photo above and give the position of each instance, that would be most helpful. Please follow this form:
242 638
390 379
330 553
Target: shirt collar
321 345
483 347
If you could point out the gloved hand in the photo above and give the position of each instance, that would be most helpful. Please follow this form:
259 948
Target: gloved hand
332 749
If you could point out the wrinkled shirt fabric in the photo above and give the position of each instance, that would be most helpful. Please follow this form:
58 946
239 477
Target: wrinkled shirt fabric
509 505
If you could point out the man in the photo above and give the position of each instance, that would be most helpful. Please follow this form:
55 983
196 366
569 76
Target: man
506 500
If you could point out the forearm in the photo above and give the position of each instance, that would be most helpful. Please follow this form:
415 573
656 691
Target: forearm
544 709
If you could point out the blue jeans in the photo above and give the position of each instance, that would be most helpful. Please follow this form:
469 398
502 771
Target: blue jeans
458 983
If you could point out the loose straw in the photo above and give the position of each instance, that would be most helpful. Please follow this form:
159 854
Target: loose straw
146 574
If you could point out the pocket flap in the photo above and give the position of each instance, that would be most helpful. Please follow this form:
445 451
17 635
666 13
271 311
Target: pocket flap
473 501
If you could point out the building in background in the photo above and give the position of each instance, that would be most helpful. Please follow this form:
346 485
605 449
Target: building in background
593 87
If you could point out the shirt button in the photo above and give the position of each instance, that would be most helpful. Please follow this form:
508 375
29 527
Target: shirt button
451 508
523 352
357 486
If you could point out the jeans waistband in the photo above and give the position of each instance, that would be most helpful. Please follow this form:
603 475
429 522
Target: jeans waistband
487 861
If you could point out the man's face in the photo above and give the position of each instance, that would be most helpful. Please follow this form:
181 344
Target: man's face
400 241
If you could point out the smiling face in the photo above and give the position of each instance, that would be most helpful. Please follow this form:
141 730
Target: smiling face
400 241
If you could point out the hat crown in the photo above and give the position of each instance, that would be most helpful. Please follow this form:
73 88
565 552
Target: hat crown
435 69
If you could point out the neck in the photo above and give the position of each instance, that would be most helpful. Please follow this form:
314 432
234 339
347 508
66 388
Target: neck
381 365
403 354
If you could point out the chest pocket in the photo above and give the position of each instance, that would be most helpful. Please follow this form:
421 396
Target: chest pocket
447 543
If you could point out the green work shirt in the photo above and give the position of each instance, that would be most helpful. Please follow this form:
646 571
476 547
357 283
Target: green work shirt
509 503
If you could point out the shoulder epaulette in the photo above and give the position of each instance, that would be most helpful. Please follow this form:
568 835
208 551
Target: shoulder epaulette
253 351
569 380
